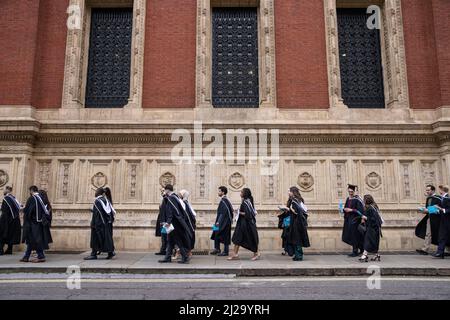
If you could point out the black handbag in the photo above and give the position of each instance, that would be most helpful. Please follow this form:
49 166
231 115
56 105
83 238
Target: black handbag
362 228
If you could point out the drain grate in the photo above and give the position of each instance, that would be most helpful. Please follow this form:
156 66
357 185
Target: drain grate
200 252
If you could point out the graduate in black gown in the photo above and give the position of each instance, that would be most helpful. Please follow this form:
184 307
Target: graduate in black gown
297 231
246 233
428 227
103 216
444 228
191 217
223 223
182 233
10 227
353 211
373 221
283 224
159 224
36 226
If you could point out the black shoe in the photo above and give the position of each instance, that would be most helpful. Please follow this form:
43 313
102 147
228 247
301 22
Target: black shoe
184 261
422 252
353 255
160 254
110 255
214 252
223 254
297 259
1 253
91 257
439 255
446 254
165 261
9 251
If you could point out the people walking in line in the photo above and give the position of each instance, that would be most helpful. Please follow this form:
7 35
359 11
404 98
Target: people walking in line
428 227
103 216
222 227
36 226
372 221
297 230
179 232
353 211
10 227
246 233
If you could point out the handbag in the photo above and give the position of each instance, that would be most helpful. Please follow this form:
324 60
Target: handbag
362 228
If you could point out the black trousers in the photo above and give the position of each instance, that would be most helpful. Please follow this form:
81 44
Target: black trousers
163 243
444 233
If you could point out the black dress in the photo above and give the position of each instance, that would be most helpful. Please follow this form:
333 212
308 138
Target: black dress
224 219
191 221
10 227
435 221
183 233
350 233
246 233
373 230
101 227
161 216
36 224
297 232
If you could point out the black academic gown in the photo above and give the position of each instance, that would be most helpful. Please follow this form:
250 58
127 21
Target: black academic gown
183 233
435 221
161 216
190 220
36 224
224 219
10 227
101 228
444 228
297 232
246 233
350 233
373 230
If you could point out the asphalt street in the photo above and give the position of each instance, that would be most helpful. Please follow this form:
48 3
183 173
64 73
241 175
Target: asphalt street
218 287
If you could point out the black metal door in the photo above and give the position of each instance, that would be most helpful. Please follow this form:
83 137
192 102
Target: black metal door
108 78
235 82
360 60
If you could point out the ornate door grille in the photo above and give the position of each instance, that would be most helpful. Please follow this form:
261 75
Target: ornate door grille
108 77
235 82
360 60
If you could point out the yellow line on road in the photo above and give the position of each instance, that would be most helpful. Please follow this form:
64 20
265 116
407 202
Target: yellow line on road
236 280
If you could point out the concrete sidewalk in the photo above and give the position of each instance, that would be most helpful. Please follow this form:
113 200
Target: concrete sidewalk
271 264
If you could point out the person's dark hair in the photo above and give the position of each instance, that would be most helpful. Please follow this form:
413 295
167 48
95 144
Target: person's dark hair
433 188
99 192
9 188
44 196
33 189
247 194
223 189
168 187
370 201
297 195
108 195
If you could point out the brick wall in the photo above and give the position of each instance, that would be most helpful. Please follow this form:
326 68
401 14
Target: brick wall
50 54
422 65
18 34
441 13
302 80
170 50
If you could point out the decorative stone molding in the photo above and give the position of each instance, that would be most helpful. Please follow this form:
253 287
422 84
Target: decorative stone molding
393 53
373 180
167 178
99 180
267 62
77 48
236 181
305 181
4 178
